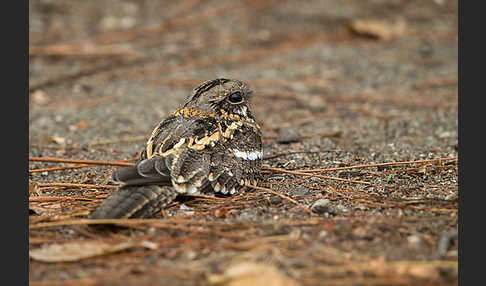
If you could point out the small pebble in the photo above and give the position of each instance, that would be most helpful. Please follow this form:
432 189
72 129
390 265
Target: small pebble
349 174
187 210
275 200
445 241
414 240
339 209
300 192
287 136
320 206
323 233
451 197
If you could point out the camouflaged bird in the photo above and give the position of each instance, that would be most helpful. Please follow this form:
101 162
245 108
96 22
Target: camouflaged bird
212 144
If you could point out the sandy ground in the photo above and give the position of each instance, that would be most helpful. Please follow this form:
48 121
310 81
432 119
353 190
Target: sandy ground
338 84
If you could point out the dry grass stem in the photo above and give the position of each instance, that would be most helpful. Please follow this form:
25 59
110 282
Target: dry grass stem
91 162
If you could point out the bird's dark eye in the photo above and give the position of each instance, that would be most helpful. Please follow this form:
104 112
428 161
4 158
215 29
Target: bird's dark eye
235 97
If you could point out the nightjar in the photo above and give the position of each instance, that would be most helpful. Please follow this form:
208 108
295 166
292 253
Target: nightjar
212 144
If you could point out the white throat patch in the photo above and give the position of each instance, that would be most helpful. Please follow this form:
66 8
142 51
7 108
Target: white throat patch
242 111
248 155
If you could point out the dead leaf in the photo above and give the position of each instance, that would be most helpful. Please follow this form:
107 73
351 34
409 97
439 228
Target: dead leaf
55 139
80 50
34 189
46 208
221 213
81 125
149 244
250 273
419 271
380 29
80 250
39 97
59 140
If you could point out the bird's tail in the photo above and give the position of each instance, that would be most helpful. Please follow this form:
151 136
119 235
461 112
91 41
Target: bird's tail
134 202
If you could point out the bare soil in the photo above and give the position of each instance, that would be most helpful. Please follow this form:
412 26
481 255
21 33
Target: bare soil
358 105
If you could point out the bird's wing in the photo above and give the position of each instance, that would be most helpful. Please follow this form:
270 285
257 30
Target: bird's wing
239 161
197 154
176 154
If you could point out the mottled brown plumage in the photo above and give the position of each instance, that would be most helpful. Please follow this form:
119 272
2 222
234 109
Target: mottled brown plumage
211 144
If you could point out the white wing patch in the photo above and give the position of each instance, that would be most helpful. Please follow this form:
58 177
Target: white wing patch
248 155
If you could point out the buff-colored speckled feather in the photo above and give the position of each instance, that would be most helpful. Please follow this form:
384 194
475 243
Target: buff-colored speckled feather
212 144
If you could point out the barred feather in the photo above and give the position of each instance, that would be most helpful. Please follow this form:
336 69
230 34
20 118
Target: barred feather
212 144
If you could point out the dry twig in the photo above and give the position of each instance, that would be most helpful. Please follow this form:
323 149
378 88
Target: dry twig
76 185
435 83
379 165
79 50
315 175
91 162
306 209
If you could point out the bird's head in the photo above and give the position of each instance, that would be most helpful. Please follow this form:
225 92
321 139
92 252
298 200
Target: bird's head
221 96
